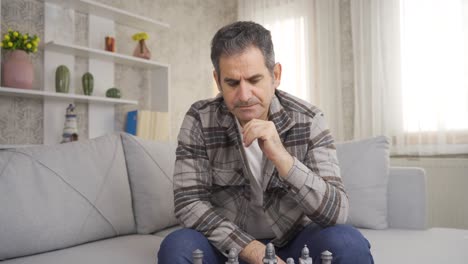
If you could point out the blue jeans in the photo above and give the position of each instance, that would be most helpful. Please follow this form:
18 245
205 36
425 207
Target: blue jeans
345 242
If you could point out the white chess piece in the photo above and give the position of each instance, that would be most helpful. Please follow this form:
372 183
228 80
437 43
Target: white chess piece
305 258
327 257
270 255
232 257
290 261
197 257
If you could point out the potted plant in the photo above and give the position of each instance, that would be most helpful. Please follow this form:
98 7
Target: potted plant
17 69
141 50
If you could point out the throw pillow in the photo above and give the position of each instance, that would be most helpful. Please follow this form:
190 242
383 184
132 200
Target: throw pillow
150 166
364 168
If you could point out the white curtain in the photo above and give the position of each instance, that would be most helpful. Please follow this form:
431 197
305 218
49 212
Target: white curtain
306 36
410 65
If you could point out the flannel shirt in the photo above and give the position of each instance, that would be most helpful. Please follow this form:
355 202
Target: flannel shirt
212 178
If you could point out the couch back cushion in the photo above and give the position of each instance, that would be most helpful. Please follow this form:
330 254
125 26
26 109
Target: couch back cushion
59 196
150 167
364 168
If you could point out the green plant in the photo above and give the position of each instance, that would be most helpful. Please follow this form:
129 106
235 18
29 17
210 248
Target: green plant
15 40
140 36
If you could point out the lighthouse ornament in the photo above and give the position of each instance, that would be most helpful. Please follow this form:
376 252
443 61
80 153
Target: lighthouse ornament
70 129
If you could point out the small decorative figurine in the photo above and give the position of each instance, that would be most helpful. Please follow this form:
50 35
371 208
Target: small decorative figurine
70 129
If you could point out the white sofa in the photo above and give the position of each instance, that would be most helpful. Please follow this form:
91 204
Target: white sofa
109 200
407 240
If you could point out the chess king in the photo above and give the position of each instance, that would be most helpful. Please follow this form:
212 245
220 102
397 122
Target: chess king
257 165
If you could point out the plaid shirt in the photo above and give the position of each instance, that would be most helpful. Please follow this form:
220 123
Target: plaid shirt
212 178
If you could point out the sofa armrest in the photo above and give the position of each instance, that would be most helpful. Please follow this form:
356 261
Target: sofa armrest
407 198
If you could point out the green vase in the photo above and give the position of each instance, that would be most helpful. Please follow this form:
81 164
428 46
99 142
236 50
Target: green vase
88 83
113 93
62 79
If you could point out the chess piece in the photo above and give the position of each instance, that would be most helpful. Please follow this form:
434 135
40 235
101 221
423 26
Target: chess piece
305 258
197 257
232 257
70 129
270 255
290 261
327 257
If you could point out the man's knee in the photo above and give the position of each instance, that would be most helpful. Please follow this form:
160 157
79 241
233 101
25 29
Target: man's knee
346 243
177 247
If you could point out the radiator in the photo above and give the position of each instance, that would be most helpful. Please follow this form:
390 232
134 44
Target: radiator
447 188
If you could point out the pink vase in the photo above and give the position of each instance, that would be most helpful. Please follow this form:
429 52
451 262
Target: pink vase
17 70
141 50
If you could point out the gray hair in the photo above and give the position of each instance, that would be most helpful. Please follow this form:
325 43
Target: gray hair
237 37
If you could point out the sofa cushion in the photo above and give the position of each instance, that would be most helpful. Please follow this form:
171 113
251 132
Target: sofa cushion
150 167
134 249
432 246
59 196
364 168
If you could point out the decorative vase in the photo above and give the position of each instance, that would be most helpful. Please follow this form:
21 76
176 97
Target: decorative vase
62 79
113 93
88 83
141 50
17 70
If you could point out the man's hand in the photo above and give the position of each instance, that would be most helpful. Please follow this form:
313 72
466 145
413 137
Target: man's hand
269 142
254 252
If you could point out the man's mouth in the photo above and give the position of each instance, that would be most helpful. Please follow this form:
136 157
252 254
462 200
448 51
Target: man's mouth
245 106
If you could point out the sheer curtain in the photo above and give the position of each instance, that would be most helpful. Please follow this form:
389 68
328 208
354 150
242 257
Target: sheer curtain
410 64
306 37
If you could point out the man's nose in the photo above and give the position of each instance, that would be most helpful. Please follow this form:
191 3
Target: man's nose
245 91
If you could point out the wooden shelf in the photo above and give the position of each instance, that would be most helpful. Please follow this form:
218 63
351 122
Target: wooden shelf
62 96
118 15
103 55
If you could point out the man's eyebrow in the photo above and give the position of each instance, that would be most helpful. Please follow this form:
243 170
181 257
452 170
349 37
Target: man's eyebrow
230 80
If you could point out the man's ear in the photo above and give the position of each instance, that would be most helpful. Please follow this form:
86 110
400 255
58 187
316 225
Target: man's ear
215 76
277 74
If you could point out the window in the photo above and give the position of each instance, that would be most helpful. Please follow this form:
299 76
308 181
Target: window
434 56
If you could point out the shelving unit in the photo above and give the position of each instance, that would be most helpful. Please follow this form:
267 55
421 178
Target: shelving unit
119 16
103 55
59 49
61 96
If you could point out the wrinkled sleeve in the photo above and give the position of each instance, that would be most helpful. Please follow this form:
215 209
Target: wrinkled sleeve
316 182
192 190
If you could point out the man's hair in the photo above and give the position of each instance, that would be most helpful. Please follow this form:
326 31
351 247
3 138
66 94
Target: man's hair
235 38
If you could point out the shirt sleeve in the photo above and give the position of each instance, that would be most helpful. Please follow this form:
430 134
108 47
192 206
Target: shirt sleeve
316 182
192 190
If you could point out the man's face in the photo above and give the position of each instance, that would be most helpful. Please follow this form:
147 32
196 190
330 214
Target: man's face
247 85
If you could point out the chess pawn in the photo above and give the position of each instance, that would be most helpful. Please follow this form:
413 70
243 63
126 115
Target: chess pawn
305 258
327 257
197 257
232 257
290 261
270 255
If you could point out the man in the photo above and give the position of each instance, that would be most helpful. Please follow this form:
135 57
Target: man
257 165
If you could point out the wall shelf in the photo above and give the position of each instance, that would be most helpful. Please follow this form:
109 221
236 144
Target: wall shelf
61 96
118 15
102 54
